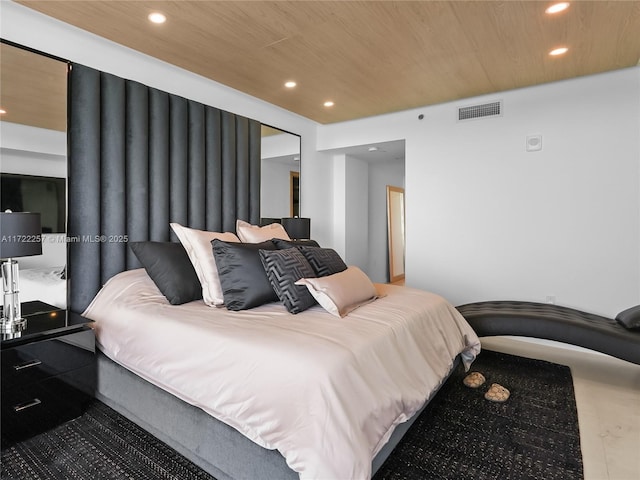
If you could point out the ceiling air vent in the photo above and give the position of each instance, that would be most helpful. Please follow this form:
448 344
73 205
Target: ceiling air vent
493 109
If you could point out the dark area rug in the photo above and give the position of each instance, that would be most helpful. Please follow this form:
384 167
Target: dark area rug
460 435
99 445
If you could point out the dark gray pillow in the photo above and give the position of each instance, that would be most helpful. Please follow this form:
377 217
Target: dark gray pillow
630 318
168 265
284 268
282 244
242 277
324 261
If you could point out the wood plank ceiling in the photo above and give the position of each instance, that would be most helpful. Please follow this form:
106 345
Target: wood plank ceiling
369 57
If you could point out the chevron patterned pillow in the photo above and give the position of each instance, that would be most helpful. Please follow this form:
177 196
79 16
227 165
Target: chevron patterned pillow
324 261
284 268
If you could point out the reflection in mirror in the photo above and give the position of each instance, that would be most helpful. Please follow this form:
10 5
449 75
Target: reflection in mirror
294 193
33 147
395 223
280 175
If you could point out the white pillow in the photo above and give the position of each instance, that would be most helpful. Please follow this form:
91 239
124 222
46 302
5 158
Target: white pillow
197 243
255 234
342 292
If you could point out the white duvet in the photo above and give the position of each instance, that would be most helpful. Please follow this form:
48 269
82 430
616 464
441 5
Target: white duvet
327 392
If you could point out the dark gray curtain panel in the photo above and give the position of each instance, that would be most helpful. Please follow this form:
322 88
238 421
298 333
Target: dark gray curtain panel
140 158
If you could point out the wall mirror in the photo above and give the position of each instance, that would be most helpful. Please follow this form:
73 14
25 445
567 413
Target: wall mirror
396 233
280 176
33 146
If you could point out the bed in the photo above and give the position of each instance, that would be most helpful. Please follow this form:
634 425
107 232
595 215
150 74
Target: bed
325 392
139 161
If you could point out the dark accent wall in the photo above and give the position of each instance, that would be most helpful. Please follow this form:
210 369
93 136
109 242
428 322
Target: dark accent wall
140 158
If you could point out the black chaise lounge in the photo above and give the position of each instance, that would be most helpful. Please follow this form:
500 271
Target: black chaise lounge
619 337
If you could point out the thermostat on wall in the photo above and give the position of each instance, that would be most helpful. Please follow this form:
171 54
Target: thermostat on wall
534 143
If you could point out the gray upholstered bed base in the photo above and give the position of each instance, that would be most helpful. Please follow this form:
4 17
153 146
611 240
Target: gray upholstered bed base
209 443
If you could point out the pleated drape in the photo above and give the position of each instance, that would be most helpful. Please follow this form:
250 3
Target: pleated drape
140 158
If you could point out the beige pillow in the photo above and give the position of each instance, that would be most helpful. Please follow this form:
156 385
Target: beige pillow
254 234
197 243
342 292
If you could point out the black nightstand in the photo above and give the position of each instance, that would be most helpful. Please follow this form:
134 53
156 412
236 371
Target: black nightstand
48 371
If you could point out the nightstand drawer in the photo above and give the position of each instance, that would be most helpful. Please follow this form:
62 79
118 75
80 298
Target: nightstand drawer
33 362
42 405
48 372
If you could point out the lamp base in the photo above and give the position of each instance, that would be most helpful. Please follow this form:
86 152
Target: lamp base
12 321
12 326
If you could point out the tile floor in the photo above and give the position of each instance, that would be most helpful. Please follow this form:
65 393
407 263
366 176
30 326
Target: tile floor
608 402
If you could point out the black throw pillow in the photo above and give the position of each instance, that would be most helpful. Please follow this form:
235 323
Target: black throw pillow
284 268
324 261
242 277
282 244
168 265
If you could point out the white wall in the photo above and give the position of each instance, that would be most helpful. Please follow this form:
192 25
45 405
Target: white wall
29 163
32 151
317 195
357 213
275 195
561 222
338 217
281 145
15 136
277 152
381 174
487 220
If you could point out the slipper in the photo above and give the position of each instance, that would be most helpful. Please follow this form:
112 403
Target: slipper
474 380
497 393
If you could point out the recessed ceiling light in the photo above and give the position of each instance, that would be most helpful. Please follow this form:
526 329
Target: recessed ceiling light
558 51
157 17
328 103
372 149
557 8
290 84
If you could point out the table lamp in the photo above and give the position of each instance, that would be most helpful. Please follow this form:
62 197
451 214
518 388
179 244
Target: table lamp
20 236
298 228
264 221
